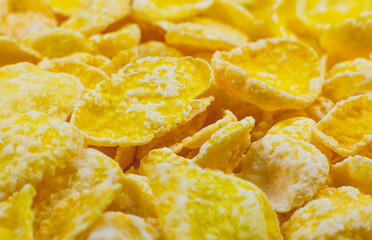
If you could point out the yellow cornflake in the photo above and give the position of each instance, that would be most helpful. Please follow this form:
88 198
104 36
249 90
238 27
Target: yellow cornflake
173 138
288 171
89 76
319 108
32 146
14 52
135 198
351 66
29 5
232 13
189 200
348 78
71 200
59 42
110 44
22 24
161 155
300 128
67 7
157 49
346 128
25 88
263 119
349 40
93 60
145 100
199 138
201 34
117 225
313 17
354 171
271 74
155 10
16 215
226 147
97 15
335 213
148 49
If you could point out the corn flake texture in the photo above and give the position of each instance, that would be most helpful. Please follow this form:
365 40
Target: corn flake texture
146 99
350 39
313 17
67 7
14 52
97 15
354 171
271 74
302 129
67 203
32 146
89 76
203 34
110 44
135 198
59 42
25 88
226 147
335 213
16 215
288 171
117 225
155 10
349 78
346 129
189 199
20 25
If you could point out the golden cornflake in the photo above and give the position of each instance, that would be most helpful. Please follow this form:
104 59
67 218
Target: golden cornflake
25 88
288 171
145 100
16 215
272 74
342 213
189 199
59 42
346 129
32 146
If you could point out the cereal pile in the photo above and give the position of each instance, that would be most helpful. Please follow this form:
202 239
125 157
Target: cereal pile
185 119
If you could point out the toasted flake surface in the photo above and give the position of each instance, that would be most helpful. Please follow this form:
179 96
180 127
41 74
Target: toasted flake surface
226 147
32 146
354 171
59 42
14 52
117 225
346 129
146 99
110 44
97 15
349 40
25 88
71 200
155 10
204 34
335 213
16 215
288 171
272 74
88 75
135 198
188 201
